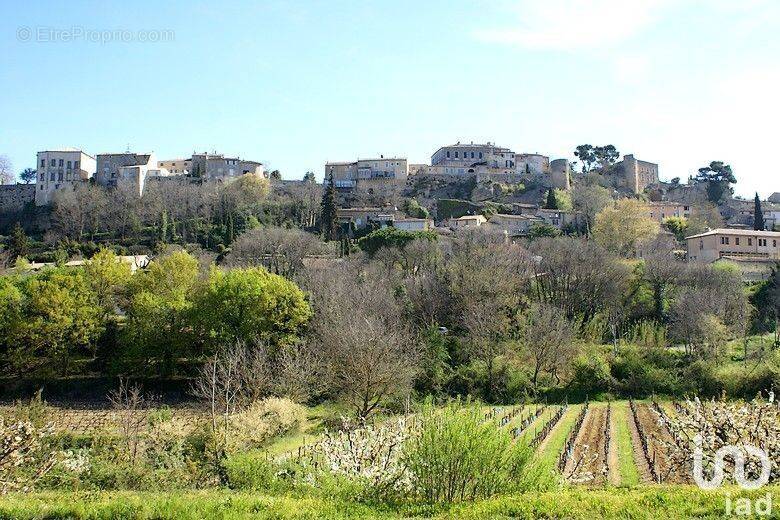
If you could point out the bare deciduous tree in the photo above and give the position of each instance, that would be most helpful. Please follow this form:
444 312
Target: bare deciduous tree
547 339
368 352
279 250
578 277
6 170
130 405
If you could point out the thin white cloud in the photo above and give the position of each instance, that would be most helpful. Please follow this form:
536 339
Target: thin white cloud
572 24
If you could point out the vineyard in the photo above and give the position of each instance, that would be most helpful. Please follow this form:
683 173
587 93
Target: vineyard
587 444
582 443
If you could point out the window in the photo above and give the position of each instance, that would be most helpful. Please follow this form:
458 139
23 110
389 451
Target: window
472 155
480 155
736 241
53 163
62 162
51 176
59 176
456 155
69 164
762 242
750 241
76 164
701 245
43 162
43 176
448 154
774 243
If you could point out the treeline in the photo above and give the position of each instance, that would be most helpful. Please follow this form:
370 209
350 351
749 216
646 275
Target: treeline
171 211
100 319
411 314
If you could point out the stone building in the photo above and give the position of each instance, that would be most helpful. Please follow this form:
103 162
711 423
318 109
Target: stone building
367 172
127 169
738 243
533 163
58 169
659 211
560 174
463 159
212 166
637 175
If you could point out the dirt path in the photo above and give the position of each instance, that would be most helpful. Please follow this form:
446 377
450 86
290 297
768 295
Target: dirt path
588 462
659 440
614 458
645 476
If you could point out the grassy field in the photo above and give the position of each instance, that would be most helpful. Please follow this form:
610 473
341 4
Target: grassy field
650 502
629 476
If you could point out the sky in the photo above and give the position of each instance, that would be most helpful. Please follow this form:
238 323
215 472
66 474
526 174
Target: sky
295 84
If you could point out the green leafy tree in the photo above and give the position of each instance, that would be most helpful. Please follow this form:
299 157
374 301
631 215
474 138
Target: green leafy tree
543 230
412 208
61 317
624 227
310 177
158 328
108 277
678 226
758 215
719 178
276 175
28 175
248 305
329 221
563 199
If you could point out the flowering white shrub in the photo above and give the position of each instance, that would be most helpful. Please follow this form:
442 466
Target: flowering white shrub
76 461
368 454
21 461
721 423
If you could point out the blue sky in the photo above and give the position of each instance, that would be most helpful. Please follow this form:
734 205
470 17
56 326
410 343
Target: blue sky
295 84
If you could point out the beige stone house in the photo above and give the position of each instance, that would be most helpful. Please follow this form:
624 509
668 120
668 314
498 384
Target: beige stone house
466 221
413 224
739 243
367 172
59 169
659 211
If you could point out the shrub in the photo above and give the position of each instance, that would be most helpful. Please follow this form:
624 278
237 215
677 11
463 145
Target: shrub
455 456
392 237
264 420
250 470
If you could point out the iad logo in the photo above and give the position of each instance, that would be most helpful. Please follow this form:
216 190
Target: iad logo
738 455
743 505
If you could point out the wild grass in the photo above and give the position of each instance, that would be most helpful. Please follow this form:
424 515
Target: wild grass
629 474
668 502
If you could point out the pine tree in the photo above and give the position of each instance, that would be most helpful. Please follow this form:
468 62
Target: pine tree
329 221
758 216
552 202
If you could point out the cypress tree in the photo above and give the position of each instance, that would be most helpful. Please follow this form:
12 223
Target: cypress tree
552 202
329 219
19 242
758 216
